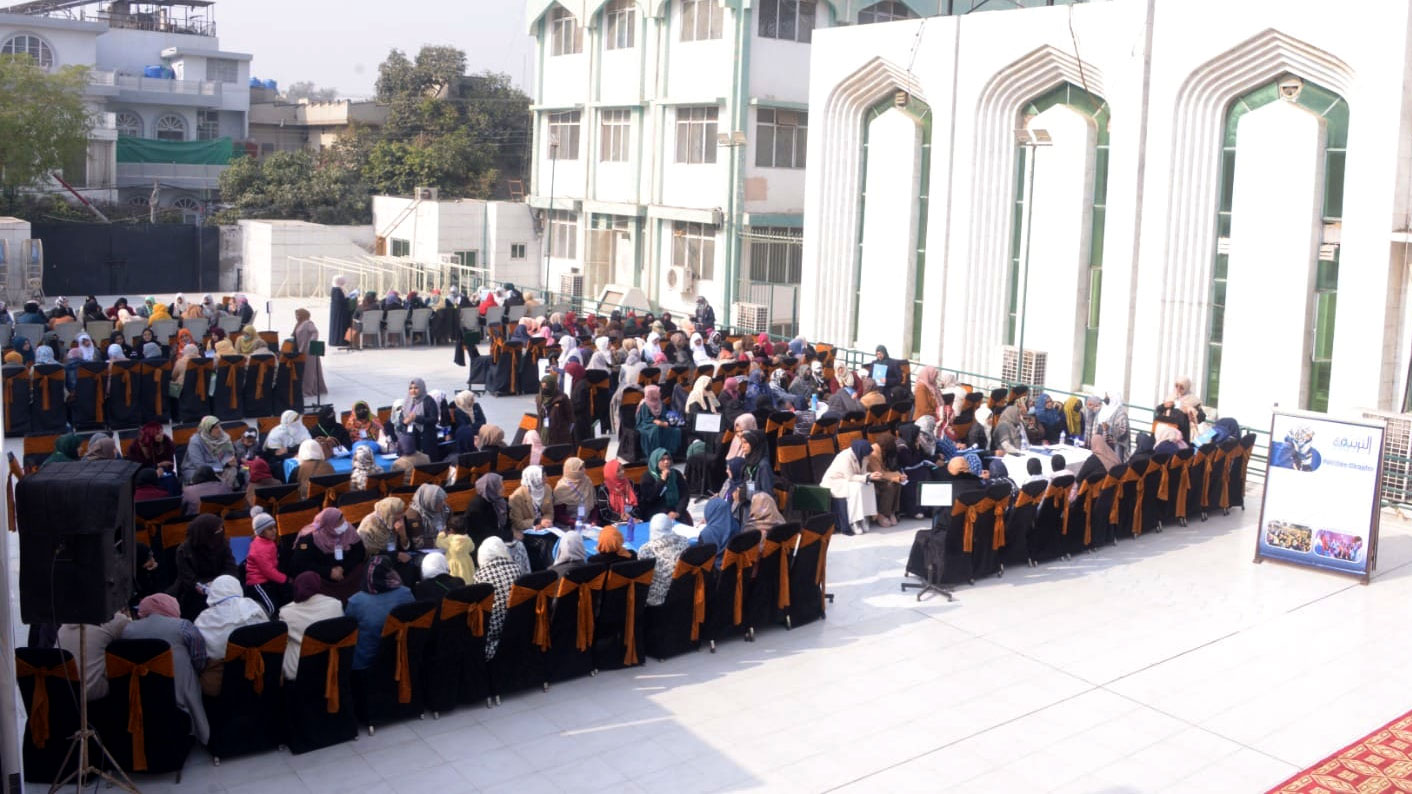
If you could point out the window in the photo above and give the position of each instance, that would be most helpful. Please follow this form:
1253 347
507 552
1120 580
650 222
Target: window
171 127
791 20
566 37
696 134
267 149
886 11
782 136
694 248
187 204
701 20
33 46
401 247
614 135
468 258
129 124
564 131
619 22
208 125
517 250
222 70
776 255
563 234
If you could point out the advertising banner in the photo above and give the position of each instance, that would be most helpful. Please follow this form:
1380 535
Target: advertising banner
1321 493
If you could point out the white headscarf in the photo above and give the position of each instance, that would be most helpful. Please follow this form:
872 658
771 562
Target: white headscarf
533 479
115 353
492 549
434 564
87 352
1115 401
290 433
310 450
227 609
661 526
698 350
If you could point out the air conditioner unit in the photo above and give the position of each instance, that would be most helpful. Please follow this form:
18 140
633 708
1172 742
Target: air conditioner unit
426 194
1030 372
751 318
681 279
571 285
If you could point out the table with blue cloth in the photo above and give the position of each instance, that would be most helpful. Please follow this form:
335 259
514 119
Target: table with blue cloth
342 464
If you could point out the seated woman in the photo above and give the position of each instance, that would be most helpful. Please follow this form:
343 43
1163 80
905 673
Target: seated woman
330 548
665 546
850 485
888 484
654 432
384 532
575 497
610 547
204 555
362 424
721 525
490 437
437 580
285 438
149 486
211 446
204 482
227 609
329 427
620 502
759 477
488 514
532 504
764 514
570 554
468 419
663 489
311 464
308 607
1050 416
364 465
495 566
371 606
426 516
158 618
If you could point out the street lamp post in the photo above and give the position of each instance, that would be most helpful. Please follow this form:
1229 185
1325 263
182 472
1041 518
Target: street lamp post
734 141
1032 141
549 213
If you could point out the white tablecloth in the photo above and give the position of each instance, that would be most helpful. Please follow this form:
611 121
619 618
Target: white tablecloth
1074 458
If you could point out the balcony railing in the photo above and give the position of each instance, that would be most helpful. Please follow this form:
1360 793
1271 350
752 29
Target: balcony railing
158 85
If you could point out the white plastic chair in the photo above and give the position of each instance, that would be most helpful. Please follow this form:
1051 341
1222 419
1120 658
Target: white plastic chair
396 325
372 326
421 324
132 329
198 326
98 329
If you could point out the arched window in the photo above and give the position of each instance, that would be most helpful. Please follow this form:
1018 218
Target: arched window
886 11
129 124
187 203
31 45
171 127
565 35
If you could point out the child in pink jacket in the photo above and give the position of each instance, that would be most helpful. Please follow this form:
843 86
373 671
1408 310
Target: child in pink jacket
264 580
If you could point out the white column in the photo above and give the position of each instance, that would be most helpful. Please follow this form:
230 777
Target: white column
1279 187
889 258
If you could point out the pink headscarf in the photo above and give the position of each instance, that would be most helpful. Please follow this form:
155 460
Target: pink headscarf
325 531
158 604
652 398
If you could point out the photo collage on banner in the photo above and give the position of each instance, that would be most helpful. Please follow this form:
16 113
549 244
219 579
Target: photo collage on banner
1322 494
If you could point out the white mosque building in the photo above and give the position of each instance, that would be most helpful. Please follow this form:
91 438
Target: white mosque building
1141 189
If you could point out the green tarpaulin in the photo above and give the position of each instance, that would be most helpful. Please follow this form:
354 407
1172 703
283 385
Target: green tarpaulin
146 150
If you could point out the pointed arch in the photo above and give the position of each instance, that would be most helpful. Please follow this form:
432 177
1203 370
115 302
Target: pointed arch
536 9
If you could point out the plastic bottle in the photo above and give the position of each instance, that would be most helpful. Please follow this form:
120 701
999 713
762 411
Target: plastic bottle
1063 438
1024 440
814 404
578 524
631 533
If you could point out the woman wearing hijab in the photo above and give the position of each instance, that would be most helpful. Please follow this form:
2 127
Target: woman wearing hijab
1112 423
602 358
311 464
1102 459
665 547
570 553
83 350
330 548
850 485
245 343
536 445
663 489
758 476
362 424
419 416
764 514
227 609
575 495
699 354
1167 439
189 353
364 465
159 618
308 607
721 525
1009 431
384 532
288 435
328 426
845 400
65 449
556 413
313 375
611 547
468 418
495 567
488 514
204 482
371 606
580 402
653 430
627 377
204 555
532 504
211 446
926 395
621 496
26 350
101 447
436 580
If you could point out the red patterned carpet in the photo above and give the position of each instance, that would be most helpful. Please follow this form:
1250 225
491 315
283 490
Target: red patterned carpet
1379 762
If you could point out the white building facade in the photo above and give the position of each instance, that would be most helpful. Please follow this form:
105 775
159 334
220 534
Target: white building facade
498 238
157 74
1141 189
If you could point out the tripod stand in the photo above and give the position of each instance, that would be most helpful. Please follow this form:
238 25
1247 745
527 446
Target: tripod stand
86 769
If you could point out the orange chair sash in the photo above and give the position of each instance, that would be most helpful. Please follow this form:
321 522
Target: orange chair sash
161 665
403 673
44 381
1183 484
1060 497
99 390
475 613
770 546
313 647
293 376
519 595
808 538
743 561
254 657
698 598
1212 461
584 638
233 384
1140 494
39 705
1089 492
261 374
614 581
1241 454
158 391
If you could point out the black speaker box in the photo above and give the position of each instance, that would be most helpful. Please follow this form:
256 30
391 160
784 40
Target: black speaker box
76 541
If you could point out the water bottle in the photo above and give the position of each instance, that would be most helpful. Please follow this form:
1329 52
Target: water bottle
1024 440
578 525
1063 437
631 533
814 404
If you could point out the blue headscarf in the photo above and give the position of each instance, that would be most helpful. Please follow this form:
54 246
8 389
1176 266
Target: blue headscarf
861 449
973 463
720 527
24 348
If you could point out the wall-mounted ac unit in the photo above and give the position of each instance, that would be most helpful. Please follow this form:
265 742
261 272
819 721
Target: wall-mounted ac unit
1029 372
571 285
426 193
680 279
753 318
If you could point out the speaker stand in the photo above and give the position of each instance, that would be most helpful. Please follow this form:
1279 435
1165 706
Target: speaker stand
86 770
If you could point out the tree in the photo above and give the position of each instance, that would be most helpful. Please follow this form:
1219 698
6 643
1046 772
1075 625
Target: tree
305 89
43 121
293 186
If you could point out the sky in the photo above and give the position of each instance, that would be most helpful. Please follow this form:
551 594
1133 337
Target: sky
339 43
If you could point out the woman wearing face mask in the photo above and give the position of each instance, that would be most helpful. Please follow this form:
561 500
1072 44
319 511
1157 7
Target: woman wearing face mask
556 411
362 424
330 548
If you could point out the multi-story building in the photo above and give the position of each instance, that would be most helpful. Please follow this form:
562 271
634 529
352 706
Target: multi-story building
305 125
171 98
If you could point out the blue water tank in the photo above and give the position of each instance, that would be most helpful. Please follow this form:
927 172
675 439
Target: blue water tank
256 82
273 85
154 71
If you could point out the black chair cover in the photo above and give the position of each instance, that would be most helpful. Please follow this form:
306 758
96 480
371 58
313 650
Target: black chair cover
309 724
610 627
45 764
1047 539
1020 523
195 401
518 663
806 594
455 668
258 390
764 605
243 719
17 407
48 411
124 395
565 659
379 694
1128 480
669 625
289 385
228 401
735 574
155 404
986 559
166 728
88 399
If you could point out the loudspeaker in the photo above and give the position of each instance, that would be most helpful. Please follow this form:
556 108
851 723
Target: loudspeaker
76 541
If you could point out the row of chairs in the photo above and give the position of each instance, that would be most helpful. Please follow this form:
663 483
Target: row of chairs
987 530
431 656
404 324
132 330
